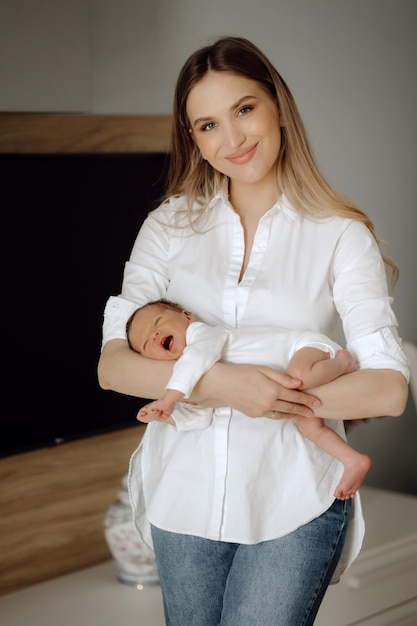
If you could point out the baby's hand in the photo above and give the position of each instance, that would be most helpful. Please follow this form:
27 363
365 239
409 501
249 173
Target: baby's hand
153 412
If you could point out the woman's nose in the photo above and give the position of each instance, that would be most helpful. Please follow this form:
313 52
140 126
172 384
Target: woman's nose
234 135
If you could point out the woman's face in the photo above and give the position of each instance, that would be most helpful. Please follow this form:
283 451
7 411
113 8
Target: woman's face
236 126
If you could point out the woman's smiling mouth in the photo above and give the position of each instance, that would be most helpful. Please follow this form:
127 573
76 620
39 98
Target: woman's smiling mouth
241 157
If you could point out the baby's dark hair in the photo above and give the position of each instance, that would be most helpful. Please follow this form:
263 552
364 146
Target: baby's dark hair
165 304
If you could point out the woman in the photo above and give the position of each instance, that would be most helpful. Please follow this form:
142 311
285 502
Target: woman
241 515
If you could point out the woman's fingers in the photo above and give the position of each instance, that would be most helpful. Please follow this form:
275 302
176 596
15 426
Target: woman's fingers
288 392
286 410
281 415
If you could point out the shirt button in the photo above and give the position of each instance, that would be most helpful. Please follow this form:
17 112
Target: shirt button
261 246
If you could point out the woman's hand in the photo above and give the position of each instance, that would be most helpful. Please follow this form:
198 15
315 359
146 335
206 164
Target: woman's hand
255 390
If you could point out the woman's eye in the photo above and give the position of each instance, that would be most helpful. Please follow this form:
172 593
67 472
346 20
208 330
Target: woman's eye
245 110
208 126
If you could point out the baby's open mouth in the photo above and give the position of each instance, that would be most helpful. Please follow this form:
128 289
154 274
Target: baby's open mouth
167 342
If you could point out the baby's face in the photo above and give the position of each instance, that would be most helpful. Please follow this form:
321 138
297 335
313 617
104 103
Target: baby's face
159 333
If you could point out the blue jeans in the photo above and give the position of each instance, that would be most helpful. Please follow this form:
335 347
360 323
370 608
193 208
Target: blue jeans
274 583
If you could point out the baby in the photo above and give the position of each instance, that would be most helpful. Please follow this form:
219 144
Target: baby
163 330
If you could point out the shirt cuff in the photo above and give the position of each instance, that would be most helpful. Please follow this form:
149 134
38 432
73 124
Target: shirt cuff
379 350
116 313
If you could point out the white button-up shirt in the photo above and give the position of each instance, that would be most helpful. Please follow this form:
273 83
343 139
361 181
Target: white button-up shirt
242 479
205 345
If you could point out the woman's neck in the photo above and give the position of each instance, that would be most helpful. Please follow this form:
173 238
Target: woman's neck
252 201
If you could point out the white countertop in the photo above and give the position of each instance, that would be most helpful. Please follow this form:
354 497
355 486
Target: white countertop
93 596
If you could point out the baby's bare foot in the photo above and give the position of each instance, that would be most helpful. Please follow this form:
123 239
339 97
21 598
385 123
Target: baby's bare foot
353 476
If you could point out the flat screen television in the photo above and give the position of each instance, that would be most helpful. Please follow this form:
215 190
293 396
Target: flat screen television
69 223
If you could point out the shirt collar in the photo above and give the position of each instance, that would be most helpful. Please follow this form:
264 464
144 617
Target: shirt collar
286 207
282 204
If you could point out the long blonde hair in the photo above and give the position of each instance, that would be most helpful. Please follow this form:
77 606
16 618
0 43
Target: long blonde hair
297 172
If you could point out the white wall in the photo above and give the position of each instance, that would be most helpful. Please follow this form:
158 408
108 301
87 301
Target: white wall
351 66
44 55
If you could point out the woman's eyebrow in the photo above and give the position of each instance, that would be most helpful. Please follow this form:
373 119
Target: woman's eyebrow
200 120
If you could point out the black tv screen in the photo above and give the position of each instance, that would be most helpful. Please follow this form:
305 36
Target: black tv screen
69 223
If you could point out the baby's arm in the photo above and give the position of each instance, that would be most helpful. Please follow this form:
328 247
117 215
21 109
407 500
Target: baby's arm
315 367
161 410
205 345
204 348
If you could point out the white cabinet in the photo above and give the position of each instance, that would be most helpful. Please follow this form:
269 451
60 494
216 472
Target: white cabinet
380 587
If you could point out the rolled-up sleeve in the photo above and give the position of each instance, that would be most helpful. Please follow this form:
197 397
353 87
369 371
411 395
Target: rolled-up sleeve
145 275
364 304
116 313
380 350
